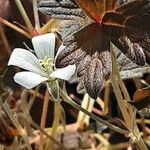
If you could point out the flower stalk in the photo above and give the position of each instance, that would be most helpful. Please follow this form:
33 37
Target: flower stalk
24 15
36 15
57 117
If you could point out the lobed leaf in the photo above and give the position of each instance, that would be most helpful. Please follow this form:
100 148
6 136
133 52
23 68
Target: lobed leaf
62 9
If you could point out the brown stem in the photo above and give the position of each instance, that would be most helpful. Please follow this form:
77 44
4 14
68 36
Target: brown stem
43 119
5 41
7 23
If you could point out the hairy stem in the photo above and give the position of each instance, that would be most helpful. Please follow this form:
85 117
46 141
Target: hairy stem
68 100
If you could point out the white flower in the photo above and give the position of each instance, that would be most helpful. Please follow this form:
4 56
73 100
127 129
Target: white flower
40 66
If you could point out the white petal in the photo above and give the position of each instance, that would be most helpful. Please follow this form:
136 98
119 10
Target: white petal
44 45
25 60
29 79
59 50
64 73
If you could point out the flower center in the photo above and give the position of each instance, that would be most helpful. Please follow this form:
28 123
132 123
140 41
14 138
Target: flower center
47 64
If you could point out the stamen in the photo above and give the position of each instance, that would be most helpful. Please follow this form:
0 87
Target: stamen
47 64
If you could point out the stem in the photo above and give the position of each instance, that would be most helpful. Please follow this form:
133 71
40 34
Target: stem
49 136
81 115
24 15
7 23
119 146
13 119
43 119
46 28
128 112
142 145
106 98
33 98
120 100
68 100
36 15
15 122
116 71
57 116
117 91
102 139
5 41
29 119
83 119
